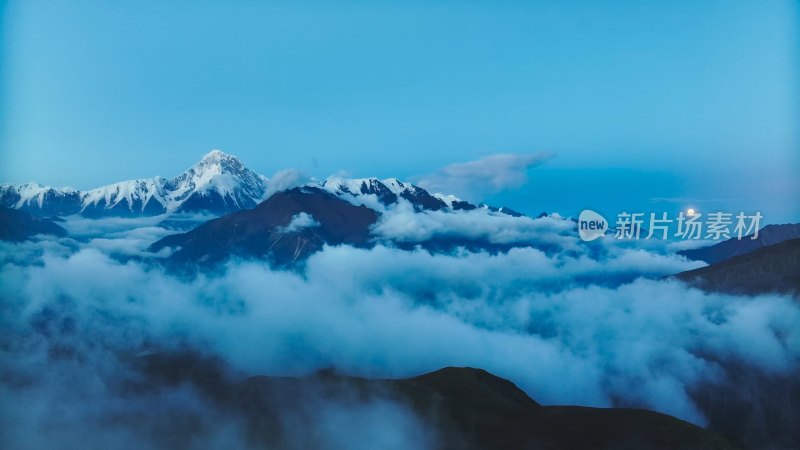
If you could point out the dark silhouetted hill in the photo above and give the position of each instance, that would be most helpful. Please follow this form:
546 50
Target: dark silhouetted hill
774 268
16 225
769 235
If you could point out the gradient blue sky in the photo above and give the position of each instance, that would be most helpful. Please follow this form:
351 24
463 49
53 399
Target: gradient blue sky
697 102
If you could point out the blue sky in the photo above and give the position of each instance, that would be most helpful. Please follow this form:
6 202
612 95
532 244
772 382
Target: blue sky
695 103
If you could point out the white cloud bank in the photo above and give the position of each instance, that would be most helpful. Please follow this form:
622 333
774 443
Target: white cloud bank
573 326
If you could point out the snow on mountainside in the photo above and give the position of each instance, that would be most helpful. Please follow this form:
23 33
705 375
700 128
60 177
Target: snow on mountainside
134 197
218 184
218 176
388 192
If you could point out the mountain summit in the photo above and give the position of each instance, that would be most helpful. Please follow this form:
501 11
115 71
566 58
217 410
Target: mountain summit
219 184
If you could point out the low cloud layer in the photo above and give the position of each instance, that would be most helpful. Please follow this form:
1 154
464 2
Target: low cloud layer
488 175
574 326
401 222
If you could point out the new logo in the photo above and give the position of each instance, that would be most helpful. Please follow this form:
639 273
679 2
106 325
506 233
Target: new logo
591 225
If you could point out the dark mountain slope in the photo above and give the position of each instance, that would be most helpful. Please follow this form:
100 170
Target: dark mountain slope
774 268
16 225
265 231
769 235
465 408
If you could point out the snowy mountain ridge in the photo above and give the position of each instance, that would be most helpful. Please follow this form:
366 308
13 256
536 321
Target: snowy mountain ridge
218 184
388 192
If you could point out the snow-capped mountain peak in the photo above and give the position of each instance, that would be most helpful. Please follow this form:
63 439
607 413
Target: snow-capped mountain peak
217 173
216 162
219 183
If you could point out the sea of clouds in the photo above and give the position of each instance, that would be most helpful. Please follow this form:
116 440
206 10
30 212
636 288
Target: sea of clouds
593 325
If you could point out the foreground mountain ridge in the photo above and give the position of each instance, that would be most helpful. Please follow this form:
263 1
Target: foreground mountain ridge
461 407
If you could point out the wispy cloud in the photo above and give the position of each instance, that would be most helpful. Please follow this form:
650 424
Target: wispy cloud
688 200
286 179
488 175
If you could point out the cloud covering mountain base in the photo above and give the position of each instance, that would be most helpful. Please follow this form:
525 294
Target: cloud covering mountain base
73 315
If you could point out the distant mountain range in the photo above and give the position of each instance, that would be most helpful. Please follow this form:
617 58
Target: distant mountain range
256 221
292 224
289 225
218 184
